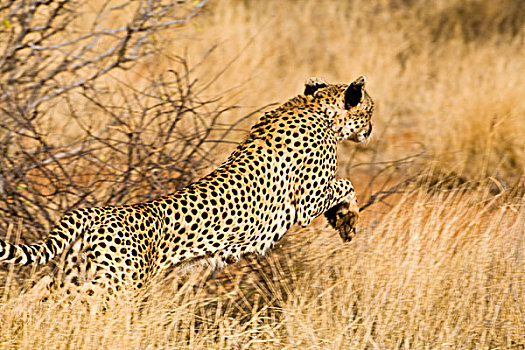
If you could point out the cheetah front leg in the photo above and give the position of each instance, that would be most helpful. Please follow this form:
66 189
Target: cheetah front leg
343 212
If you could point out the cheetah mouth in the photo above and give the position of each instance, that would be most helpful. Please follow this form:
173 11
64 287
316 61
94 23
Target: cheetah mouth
362 136
357 138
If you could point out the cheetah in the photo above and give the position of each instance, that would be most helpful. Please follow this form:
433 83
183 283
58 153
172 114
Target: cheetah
281 174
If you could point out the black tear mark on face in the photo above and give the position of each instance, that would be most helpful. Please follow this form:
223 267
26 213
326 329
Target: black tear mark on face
369 131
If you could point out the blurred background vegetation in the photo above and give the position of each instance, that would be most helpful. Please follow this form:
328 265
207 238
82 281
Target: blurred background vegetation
439 265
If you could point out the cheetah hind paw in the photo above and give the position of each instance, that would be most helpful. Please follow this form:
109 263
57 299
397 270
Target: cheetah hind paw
343 217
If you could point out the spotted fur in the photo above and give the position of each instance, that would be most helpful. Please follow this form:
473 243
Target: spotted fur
281 175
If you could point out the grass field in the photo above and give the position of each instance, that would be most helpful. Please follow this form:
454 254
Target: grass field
439 266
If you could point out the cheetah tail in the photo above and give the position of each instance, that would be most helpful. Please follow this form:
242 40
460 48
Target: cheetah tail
22 254
60 237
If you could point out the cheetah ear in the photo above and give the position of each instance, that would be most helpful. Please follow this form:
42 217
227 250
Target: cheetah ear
313 84
354 92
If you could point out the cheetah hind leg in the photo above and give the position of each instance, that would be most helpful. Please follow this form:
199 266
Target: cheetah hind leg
39 292
343 217
48 289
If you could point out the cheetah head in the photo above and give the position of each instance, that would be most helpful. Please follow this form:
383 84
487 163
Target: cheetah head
349 107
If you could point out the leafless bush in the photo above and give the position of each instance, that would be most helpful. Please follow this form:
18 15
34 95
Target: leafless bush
158 139
51 47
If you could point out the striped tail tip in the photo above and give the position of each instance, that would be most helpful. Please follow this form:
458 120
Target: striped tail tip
21 254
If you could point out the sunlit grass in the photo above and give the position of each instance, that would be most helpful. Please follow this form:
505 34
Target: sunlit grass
442 270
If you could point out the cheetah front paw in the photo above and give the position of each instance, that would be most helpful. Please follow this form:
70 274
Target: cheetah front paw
343 217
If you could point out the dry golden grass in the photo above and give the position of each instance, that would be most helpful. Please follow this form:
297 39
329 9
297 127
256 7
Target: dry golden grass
447 76
440 269
437 271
